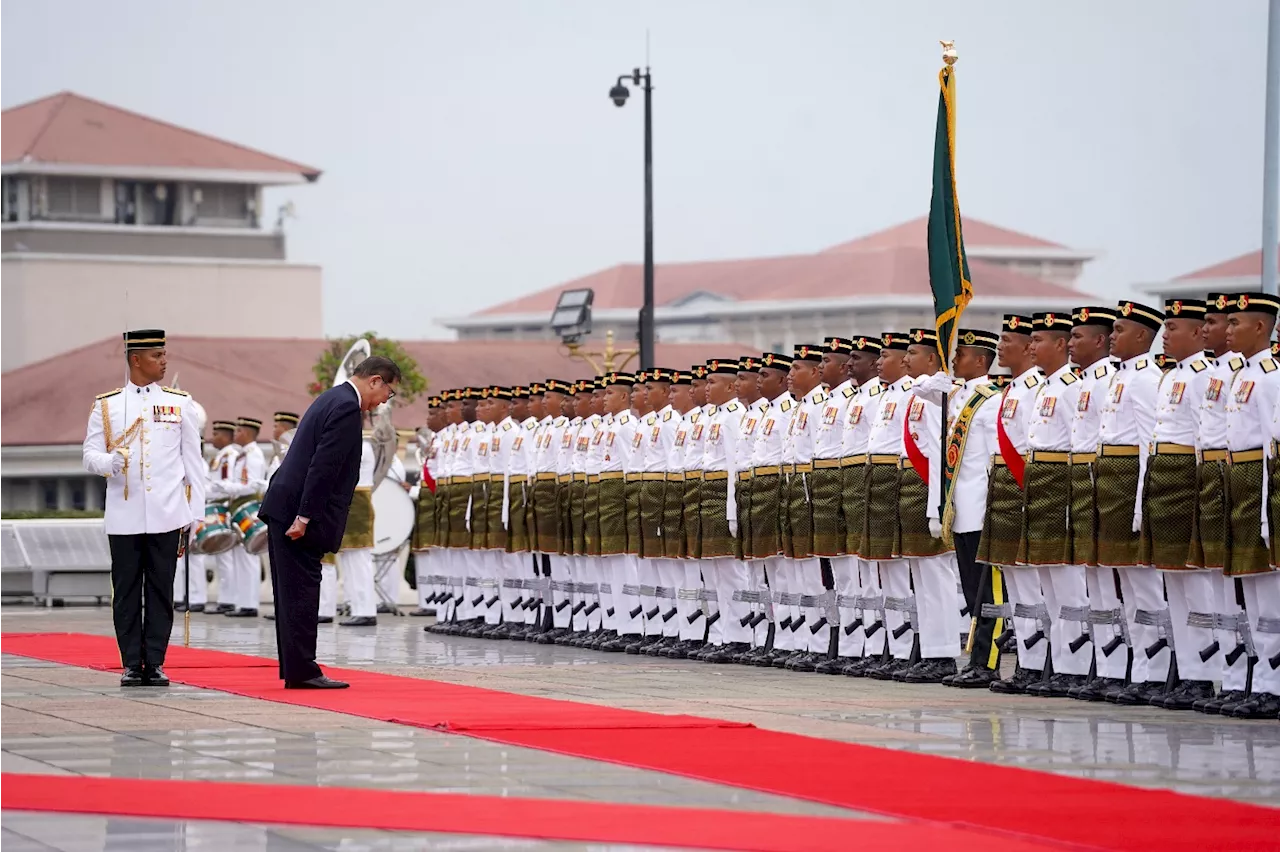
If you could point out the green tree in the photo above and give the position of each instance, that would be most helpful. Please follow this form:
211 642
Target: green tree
412 382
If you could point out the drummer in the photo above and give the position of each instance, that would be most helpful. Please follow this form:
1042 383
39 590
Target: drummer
248 481
220 466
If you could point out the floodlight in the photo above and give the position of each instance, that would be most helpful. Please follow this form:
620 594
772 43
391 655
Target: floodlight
571 318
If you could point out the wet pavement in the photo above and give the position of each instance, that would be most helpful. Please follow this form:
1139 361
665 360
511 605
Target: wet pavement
59 719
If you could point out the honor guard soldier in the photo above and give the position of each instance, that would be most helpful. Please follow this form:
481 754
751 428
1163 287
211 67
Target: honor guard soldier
576 442
696 628
508 543
1002 526
283 425
688 606
1170 493
1089 346
245 486
1251 410
224 459
932 562
354 556
461 414
857 580
482 582
661 628
597 589
971 442
1127 423
190 586
825 496
810 627
756 592
619 515
143 440
425 543
1044 548
1209 543
547 539
445 598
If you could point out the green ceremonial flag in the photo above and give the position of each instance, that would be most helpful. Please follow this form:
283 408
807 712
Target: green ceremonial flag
948 267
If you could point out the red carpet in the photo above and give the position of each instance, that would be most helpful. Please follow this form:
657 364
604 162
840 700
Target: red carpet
490 815
1014 801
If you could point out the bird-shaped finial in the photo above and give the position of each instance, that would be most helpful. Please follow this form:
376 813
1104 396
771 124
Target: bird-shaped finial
949 55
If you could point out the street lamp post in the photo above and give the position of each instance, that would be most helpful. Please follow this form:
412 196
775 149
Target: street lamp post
619 94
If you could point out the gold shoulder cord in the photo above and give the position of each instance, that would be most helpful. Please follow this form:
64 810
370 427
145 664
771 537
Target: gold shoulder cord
119 441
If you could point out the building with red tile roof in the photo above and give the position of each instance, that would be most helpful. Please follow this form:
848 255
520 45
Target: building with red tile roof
1237 275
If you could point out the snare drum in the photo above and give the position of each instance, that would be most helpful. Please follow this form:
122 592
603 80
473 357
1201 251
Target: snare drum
253 532
215 535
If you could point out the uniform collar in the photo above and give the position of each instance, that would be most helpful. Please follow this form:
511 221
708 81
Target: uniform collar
1065 368
900 384
984 379
1187 361
1033 371
847 383
783 397
131 387
815 395
1131 363
1254 359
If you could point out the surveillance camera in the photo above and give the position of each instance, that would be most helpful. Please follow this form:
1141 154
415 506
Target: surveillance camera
619 94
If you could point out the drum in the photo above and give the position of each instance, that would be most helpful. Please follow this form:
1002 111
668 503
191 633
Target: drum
215 535
393 517
253 532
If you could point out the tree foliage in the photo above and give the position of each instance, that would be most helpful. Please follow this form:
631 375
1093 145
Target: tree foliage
412 382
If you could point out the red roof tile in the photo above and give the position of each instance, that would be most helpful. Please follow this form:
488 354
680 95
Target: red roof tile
833 274
70 129
49 402
914 234
1245 265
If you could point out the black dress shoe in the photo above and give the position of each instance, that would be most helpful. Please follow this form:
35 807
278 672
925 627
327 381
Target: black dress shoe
887 670
179 607
321 682
222 609
242 613
324 619
1094 690
1136 693
1187 694
681 649
131 677
197 607
421 611
1214 703
832 666
1016 685
808 663
976 677
1057 686
154 676
660 648
727 653
1261 705
858 667
930 671
359 621
385 609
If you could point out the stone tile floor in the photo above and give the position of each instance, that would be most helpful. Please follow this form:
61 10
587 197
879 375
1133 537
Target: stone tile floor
59 719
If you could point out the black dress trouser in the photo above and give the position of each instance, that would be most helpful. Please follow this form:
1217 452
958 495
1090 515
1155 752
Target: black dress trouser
142 568
976 580
295 588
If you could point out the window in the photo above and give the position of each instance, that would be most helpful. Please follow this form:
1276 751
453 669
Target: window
49 493
221 201
73 198
78 500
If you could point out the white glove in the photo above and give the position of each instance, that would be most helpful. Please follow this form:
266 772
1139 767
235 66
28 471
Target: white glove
733 528
194 526
935 528
118 459
1266 539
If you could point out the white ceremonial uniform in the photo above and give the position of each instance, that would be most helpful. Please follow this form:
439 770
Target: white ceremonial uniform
772 574
528 565
934 578
551 458
1129 419
428 562
224 565
1178 409
857 578
356 564
573 446
884 438
752 421
806 573
725 574
498 567
247 482
447 557
599 575
622 573
663 574
693 585
389 582
481 583
1100 581
1064 587
1016 404
1213 436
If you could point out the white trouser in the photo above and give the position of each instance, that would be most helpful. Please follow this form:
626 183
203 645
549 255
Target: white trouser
561 602
688 601
670 576
531 569
760 585
581 600
869 582
807 576
1066 586
328 590
937 616
844 570
707 579
248 571
895 578
1191 591
389 583
1101 583
1143 589
224 572
598 575
623 573
1234 677
357 581
449 561
778 569
647 576
422 568
1024 588
195 591
731 575
1262 600
493 571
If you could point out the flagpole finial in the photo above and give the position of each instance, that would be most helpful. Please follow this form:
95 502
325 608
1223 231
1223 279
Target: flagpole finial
949 55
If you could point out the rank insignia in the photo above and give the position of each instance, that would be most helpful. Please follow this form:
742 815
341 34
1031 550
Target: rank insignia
1176 392
1082 404
1213 392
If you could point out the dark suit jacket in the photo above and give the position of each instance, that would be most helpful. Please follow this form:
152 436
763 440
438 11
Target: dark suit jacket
318 476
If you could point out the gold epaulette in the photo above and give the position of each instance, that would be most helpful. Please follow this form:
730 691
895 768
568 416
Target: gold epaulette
667 416
1199 366
109 393
1268 365
1236 364
1100 372
786 405
875 390
848 392
174 390
1141 364
733 406
1031 381
1069 378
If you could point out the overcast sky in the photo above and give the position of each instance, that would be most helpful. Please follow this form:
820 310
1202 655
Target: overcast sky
470 152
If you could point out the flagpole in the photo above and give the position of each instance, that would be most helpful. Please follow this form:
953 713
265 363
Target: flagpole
949 58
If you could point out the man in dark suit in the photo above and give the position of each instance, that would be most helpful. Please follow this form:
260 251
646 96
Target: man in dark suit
305 509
